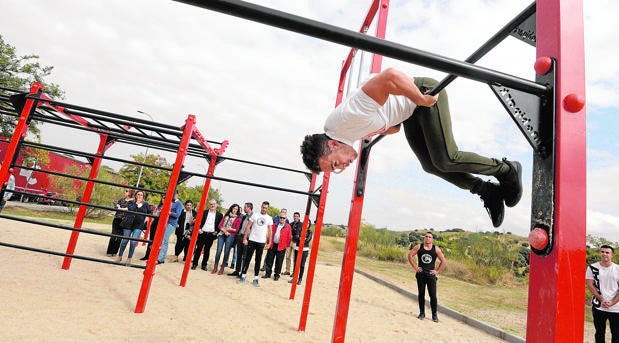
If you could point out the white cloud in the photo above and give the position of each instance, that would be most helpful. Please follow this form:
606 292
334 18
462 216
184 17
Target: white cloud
263 89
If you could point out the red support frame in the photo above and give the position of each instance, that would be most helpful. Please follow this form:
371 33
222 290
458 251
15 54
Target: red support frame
556 283
356 209
207 186
19 133
151 264
306 224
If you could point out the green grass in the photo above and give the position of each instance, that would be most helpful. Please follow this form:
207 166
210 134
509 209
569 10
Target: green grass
500 306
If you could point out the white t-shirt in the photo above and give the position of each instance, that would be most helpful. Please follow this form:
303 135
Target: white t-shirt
606 279
359 116
260 227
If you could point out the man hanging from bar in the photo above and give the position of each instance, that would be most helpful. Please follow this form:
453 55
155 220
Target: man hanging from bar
391 98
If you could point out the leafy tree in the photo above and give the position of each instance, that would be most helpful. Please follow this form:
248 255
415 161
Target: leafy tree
272 211
158 179
151 178
19 72
73 189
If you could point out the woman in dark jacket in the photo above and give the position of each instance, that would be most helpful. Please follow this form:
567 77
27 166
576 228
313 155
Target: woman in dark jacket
137 225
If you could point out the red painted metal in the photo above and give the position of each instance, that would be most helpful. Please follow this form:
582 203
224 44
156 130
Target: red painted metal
165 213
314 252
348 61
81 212
306 224
19 133
556 285
201 206
354 218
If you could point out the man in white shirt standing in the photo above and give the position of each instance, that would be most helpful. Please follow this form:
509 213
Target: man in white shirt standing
256 236
207 234
602 280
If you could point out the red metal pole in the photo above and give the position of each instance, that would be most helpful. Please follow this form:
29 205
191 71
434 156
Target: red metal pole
556 283
354 219
306 224
314 253
151 264
201 206
81 212
21 128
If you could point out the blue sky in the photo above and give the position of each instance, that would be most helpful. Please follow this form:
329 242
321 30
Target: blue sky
263 89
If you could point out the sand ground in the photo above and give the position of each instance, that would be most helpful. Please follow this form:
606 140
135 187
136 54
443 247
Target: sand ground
95 302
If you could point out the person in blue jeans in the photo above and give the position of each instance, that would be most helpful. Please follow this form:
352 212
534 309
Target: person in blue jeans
175 212
228 226
140 207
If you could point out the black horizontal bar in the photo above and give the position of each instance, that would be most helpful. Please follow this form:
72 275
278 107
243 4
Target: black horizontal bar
70 228
249 183
490 44
361 41
264 165
79 257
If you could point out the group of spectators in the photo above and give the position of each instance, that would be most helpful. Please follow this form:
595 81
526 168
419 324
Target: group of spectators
241 234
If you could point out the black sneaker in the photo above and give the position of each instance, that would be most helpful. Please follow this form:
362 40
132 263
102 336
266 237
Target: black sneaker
493 202
511 183
435 318
194 266
234 273
421 316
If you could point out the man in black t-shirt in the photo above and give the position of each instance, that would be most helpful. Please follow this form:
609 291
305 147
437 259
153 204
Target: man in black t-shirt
427 253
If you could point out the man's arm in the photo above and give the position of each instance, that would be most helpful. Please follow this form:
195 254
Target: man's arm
593 290
247 229
411 258
392 81
442 264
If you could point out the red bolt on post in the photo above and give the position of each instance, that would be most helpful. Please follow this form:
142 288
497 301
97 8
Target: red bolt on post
542 65
573 102
538 238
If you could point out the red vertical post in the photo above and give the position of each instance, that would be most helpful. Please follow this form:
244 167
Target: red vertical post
314 253
556 284
306 224
354 218
81 212
165 214
19 133
201 206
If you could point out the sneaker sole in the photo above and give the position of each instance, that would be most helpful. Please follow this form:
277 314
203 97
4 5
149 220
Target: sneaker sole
513 202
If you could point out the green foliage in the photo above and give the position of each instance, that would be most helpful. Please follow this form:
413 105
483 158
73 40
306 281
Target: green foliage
102 194
19 72
151 178
332 231
593 248
273 211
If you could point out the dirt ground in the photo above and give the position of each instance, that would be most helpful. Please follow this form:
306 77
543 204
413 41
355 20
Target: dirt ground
95 302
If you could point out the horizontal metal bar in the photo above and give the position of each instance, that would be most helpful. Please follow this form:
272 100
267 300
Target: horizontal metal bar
490 44
358 40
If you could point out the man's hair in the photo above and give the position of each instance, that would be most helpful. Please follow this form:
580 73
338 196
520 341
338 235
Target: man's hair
250 205
606 246
266 203
294 214
188 202
312 149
